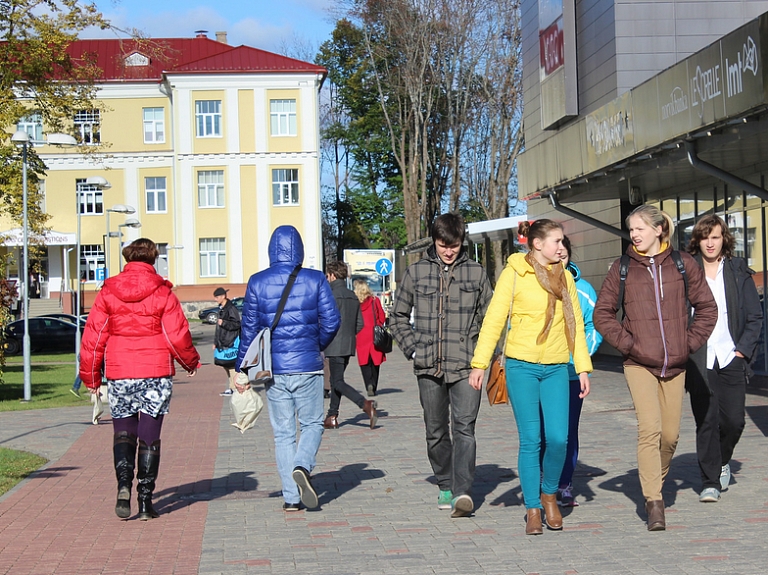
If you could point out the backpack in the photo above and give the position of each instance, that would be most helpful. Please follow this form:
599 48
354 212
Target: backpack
624 269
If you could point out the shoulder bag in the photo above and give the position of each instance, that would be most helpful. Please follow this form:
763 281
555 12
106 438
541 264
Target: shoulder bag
257 362
382 338
496 387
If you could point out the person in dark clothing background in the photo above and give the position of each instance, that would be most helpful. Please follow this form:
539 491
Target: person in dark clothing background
227 331
343 347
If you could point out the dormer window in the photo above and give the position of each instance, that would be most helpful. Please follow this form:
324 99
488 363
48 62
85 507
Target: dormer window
136 59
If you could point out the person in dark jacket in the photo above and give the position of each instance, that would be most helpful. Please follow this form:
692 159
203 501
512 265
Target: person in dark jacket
343 347
227 332
448 294
717 374
655 337
135 330
308 324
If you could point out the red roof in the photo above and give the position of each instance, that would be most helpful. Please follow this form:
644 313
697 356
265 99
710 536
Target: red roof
181 56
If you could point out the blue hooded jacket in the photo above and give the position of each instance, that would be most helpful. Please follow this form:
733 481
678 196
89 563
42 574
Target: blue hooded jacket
587 300
310 319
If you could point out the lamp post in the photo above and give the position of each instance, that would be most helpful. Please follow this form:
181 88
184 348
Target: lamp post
23 139
117 209
102 184
129 223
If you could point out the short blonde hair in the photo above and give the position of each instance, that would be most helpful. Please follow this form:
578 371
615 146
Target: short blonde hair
362 290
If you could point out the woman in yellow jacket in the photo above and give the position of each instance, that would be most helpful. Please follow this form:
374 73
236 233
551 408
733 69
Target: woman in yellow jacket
546 329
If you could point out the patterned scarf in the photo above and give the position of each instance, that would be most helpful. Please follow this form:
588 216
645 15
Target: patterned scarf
554 283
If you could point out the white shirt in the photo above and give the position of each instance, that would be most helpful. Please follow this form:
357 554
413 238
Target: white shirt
720 344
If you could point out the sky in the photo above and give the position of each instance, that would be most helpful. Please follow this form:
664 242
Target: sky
292 27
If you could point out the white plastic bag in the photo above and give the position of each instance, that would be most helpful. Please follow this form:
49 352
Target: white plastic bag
245 406
98 407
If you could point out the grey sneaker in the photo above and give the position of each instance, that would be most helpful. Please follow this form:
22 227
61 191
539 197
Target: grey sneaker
462 506
709 495
306 491
725 476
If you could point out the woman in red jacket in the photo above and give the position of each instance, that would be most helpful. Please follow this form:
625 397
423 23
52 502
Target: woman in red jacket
369 358
135 329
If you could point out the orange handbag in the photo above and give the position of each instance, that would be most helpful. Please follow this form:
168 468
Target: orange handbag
496 387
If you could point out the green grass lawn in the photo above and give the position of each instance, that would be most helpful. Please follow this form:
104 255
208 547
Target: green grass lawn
15 466
52 376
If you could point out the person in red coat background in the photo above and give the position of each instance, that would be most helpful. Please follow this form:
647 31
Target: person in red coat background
135 330
369 357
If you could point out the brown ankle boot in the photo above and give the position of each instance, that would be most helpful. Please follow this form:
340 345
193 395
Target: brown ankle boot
551 511
331 422
533 522
369 407
655 510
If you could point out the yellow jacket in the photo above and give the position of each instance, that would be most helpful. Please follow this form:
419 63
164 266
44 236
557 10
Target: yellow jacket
528 314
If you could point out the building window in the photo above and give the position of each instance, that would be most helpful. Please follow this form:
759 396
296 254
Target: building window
285 187
213 257
88 126
91 258
210 189
154 125
282 117
161 263
32 124
156 192
208 118
91 198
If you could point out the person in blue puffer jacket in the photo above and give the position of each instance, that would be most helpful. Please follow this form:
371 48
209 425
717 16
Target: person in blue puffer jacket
308 324
587 299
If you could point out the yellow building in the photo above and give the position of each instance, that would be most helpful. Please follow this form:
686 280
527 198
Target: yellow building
213 146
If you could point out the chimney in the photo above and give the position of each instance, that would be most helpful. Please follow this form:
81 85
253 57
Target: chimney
201 33
221 37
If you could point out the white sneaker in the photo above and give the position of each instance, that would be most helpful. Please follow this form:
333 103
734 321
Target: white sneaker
725 476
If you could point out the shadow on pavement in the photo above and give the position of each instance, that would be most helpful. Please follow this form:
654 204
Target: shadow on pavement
333 484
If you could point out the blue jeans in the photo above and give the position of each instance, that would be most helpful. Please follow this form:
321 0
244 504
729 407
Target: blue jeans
453 461
537 390
291 396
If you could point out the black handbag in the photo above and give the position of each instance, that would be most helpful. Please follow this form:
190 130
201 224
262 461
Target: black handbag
382 339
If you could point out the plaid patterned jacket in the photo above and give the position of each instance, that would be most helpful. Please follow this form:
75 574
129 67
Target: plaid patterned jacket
448 305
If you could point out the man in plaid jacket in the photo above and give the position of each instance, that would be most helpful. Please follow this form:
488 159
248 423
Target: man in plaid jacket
447 295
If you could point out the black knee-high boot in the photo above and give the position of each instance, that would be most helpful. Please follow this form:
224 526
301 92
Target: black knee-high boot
148 465
124 451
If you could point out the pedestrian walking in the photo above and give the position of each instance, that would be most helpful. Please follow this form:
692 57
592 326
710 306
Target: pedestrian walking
369 358
717 374
307 325
135 330
447 293
655 338
226 337
545 329
343 347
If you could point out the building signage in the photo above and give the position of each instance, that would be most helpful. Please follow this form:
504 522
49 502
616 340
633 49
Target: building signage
15 237
610 132
557 61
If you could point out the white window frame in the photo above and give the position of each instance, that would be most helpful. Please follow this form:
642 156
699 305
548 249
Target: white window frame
213 257
156 194
90 198
285 187
91 258
88 126
208 118
282 117
32 124
210 189
154 125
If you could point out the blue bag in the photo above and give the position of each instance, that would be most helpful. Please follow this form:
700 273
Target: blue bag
226 357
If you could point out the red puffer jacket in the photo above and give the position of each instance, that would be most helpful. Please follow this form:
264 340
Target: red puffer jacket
135 329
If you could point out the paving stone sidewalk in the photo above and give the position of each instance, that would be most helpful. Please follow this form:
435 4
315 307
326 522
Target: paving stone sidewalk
220 505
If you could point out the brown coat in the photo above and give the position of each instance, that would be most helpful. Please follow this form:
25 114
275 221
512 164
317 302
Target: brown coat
654 332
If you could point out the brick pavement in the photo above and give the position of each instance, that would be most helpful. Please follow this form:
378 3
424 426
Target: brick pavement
218 494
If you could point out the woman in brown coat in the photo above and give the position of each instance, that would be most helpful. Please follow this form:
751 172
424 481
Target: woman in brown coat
655 337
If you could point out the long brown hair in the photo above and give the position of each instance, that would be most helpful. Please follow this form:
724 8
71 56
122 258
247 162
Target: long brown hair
537 230
703 228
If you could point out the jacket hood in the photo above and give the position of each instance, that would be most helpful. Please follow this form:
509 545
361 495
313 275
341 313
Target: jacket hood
135 282
286 247
574 269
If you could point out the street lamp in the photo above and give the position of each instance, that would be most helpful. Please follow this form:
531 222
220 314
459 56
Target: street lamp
117 209
23 139
129 223
102 184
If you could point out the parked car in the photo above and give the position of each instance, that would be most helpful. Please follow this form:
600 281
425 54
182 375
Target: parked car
211 314
45 334
68 317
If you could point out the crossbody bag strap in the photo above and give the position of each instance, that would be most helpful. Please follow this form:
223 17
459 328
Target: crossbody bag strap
284 297
509 315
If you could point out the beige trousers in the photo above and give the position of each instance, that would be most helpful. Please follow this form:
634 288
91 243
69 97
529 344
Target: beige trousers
658 407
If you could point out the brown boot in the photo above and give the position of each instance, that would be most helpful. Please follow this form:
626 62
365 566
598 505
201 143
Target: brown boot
331 422
655 510
551 511
369 407
533 522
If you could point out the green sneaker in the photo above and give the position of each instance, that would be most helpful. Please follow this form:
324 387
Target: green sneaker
444 500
